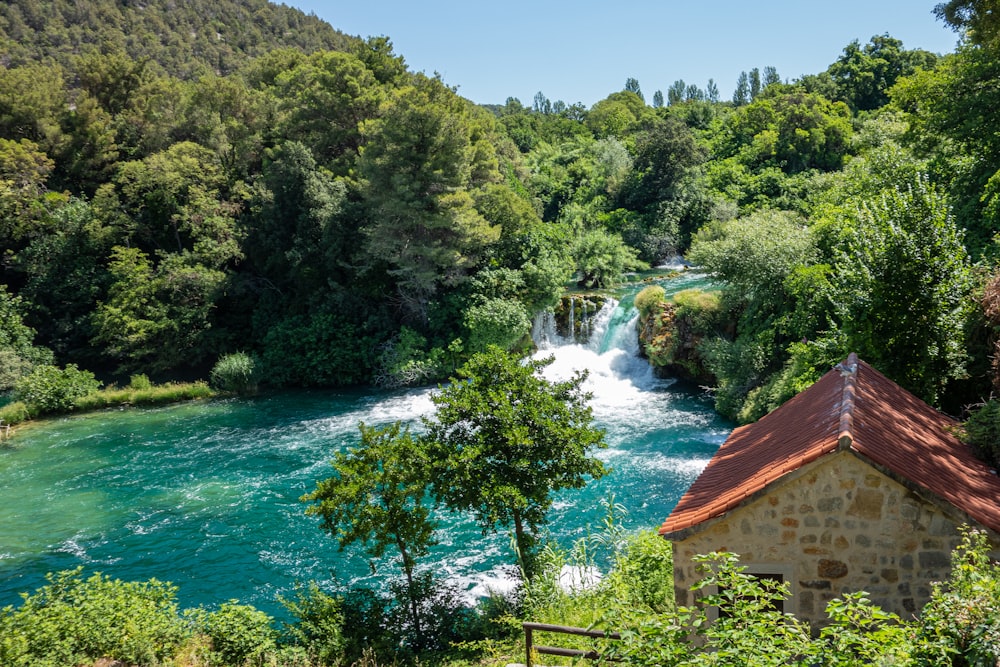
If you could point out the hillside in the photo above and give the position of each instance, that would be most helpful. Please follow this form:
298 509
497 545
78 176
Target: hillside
187 37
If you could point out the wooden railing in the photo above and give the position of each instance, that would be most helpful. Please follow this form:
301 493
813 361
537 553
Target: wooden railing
531 648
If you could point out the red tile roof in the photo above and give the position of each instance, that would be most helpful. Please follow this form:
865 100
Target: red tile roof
853 407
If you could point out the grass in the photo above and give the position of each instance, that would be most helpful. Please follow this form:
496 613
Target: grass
139 393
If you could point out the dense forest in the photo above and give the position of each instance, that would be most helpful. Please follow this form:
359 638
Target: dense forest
188 182
174 190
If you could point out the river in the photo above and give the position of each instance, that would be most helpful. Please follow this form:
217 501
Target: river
206 495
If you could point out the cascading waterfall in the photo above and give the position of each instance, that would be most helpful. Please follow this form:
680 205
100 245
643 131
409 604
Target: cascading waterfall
572 319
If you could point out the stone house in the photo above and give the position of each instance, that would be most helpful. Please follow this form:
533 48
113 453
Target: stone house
854 484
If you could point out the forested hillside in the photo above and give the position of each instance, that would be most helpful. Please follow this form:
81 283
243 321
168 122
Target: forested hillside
180 183
185 39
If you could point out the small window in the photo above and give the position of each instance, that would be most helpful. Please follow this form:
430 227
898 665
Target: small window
778 573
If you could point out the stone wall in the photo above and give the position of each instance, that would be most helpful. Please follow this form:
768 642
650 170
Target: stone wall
837 525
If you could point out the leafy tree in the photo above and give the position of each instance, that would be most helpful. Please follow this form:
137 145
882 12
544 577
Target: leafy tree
755 86
294 236
903 270
173 202
712 91
18 355
377 498
632 86
602 258
324 102
426 153
156 318
499 322
49 389
503 439
770 76
864 75
741 95
657 99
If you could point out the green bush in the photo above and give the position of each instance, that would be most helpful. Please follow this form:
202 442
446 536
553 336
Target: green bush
73 621
239 633
648 299
982 430
235 373
703 309
14 413
960 626
49 389
140 381
500 322
319 624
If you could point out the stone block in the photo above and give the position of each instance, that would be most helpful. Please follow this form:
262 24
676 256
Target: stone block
831 569
934 560
832 504
867 504
812 521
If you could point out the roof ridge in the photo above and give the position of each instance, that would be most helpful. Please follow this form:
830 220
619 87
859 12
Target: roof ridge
849 371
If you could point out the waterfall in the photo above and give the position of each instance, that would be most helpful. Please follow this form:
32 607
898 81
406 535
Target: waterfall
584 322
543 330
572 319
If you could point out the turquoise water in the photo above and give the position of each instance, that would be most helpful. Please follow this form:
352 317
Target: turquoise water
206 495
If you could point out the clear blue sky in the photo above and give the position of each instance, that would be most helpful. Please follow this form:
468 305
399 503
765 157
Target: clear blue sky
583 51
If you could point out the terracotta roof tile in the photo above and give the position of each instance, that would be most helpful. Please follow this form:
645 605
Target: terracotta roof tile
852 406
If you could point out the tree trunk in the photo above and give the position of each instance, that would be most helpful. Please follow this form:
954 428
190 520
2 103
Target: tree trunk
410 590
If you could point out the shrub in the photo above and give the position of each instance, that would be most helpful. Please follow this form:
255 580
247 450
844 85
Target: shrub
703 309
319 626
49 389
239 633
960 626
500 322
236 373
982 430
140 381
14 413
648 298
71 621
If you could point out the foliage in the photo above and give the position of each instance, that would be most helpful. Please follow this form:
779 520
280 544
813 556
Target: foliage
377 498
754 255
905 266
648 298
960 626
602 258
498 322
982 430
17 353
240 634
404 361
319 623
236 373
162 394
503 438
185 40
49 389
72 620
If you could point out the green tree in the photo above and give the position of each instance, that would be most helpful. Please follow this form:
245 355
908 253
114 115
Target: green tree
601 259
49 389
864 75
903 270
18 355
425 156
741 95
377 498
503 439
